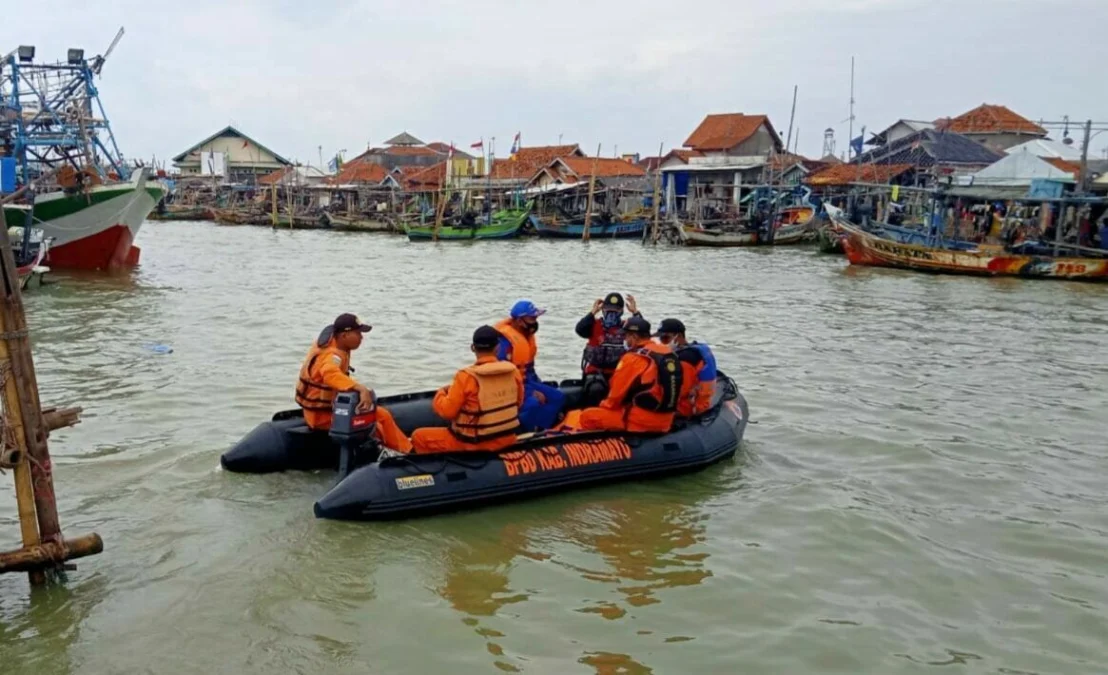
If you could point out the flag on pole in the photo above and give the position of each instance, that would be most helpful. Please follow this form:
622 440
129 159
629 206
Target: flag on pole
515 144
450 152
478 145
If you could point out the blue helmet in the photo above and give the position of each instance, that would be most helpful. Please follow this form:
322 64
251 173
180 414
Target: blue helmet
525 308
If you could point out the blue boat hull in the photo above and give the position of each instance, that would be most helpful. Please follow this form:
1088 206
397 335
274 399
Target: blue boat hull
629 230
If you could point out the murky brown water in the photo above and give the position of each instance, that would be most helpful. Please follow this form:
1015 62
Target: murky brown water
924 484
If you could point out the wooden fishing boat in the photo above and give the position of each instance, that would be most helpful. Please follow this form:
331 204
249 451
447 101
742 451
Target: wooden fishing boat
229 217
28 251
1029 260
504 224
694 235
598 229
174 212
830 240
352 224
793 225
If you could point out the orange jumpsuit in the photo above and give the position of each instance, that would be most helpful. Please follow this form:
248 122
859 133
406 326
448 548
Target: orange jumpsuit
462 399
618 412
324 374
696 396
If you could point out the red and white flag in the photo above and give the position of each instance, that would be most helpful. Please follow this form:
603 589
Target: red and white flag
478 145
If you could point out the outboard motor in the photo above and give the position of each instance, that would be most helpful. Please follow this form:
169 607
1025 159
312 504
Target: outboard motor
353 432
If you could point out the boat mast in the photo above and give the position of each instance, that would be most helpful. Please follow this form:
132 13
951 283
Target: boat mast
850 128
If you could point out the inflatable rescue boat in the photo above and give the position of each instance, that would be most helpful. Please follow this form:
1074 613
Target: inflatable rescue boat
402 486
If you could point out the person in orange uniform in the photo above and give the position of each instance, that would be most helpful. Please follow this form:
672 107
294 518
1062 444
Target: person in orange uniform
541 403
698 368
644 388
326 372
482 404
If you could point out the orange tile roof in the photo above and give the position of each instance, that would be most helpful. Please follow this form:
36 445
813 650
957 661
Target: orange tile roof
428 177
527 161
1067 165
543 154
359 171
606 167
845 174
725 131
783 160
990 119
274 176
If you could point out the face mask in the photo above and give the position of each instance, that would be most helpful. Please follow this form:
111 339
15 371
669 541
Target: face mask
533 327
611 319
627 346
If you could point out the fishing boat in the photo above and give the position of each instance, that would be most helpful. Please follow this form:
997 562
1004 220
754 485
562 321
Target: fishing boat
230 217
29 246
372 488
89 201
793 225
599 228
830 240
179 212
696 235
352 224
504 224
1029 259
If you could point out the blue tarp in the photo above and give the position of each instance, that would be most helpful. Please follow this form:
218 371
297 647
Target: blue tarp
7 175
680 183
1044 188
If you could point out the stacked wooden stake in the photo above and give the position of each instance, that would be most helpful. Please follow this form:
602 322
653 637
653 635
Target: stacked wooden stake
23 444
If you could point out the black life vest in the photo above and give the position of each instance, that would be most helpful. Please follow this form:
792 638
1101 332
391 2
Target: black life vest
606 355
663 393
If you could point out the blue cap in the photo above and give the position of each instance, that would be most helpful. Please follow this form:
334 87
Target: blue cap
524 308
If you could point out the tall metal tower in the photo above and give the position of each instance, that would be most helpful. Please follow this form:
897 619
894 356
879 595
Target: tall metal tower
51 115
828 143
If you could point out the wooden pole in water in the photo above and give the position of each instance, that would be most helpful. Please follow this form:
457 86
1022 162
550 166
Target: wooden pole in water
592 192
274 204
23 440
657 195
440 213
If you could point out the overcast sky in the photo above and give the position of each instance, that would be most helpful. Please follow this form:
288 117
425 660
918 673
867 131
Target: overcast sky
339 74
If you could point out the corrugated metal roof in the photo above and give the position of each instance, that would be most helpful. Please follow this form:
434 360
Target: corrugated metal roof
1045 147
929 147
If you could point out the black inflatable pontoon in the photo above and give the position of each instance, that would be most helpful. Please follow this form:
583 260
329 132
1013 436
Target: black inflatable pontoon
398 487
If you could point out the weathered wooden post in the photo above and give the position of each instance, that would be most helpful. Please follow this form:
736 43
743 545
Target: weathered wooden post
592 192
23 449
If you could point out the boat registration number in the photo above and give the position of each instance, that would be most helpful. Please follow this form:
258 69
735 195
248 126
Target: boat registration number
409 482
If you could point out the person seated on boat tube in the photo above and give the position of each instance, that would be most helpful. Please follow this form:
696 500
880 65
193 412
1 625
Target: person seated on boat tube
326 372
482 404
698 368
644 390
605 335
541 404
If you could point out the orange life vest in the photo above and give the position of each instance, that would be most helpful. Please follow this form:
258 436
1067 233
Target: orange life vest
659 387
524 347
311 393
497 412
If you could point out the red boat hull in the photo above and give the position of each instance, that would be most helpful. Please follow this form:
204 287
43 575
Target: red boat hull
105 250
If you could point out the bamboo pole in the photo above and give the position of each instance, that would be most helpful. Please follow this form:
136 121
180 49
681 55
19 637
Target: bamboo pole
656 196
25 426
440 212
34 558
275 205
592 192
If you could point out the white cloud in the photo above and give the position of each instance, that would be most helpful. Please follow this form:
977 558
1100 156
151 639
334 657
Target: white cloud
298 75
